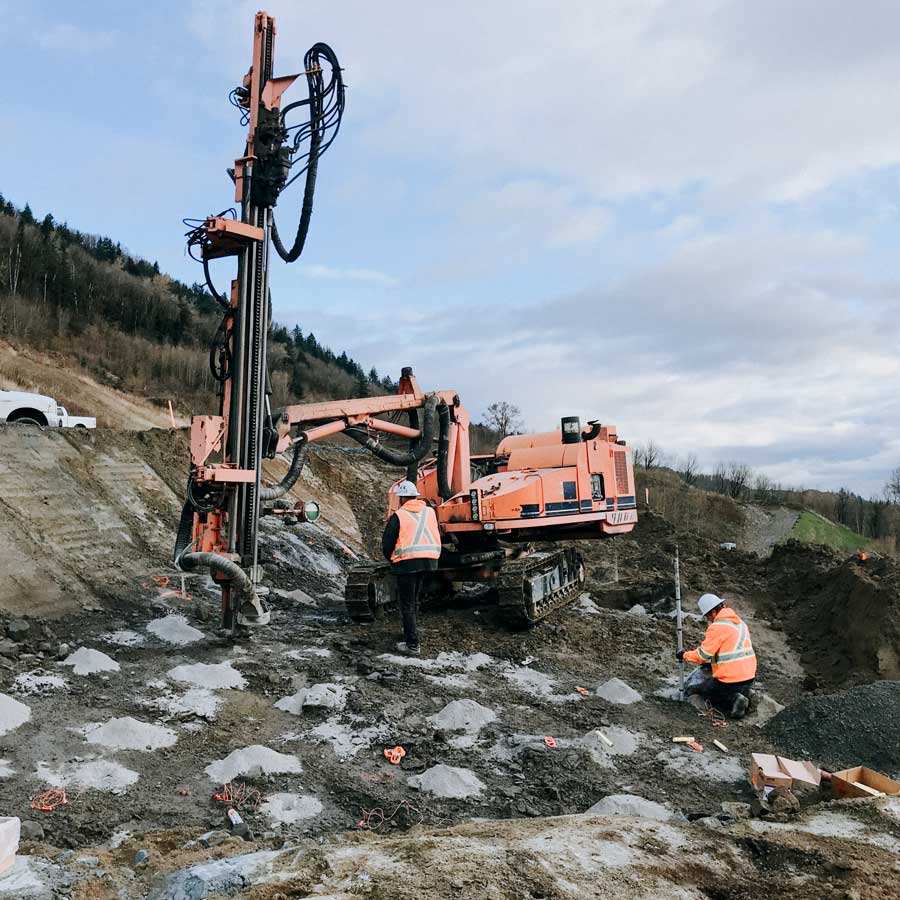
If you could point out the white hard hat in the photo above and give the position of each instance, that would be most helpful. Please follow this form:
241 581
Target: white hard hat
708 602
407 489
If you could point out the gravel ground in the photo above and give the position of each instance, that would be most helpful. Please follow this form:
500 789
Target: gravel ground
860 726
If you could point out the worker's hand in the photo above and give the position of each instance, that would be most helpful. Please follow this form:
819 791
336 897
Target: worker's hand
679 655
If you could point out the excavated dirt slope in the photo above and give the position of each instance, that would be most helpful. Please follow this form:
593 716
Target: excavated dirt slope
844 614
115 684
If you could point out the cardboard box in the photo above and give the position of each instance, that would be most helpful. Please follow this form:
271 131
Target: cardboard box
10 829
862 782
802 770
767 770
764 770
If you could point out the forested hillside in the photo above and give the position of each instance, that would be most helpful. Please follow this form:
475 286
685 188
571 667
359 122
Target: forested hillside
136 328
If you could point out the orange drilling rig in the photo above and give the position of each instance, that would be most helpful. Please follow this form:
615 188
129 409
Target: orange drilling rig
575 483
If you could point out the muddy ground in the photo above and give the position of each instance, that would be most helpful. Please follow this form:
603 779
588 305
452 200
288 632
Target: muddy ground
300 712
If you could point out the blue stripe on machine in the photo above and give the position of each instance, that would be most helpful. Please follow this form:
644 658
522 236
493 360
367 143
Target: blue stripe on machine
586 505
531 509
565 506
625 500
610 502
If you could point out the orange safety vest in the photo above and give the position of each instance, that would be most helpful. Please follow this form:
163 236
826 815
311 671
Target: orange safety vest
727 648
419 537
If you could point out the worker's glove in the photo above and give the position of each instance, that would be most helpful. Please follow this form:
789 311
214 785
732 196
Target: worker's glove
679 655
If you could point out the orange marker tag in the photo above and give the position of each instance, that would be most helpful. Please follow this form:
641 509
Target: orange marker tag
550 742
583 691
394 754
695 746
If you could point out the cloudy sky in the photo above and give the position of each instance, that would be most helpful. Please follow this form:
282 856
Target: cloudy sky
680 216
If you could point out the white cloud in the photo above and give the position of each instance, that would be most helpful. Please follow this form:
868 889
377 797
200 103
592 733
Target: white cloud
372 276
763 348
619 98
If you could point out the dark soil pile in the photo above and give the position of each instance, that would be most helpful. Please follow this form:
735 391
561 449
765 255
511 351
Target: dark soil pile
858 727
842 614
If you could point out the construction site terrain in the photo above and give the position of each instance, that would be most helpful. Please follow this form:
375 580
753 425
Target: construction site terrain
538 763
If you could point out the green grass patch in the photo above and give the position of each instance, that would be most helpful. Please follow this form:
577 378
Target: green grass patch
813 529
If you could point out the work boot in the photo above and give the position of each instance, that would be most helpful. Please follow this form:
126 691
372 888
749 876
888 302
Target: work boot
407 649
739 707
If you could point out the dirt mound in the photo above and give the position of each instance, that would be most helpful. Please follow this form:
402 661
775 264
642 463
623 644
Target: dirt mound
843 615
860 726
638 568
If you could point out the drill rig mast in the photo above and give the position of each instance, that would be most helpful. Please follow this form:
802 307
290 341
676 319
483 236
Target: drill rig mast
219 523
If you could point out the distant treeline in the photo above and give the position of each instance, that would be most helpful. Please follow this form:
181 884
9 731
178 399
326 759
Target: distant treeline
876 518
135 327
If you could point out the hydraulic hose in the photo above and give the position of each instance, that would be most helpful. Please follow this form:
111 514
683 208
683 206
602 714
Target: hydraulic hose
298 460
418 450
296 249
326 108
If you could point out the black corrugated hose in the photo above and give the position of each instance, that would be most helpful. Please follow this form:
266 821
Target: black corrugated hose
293 473
418 450
188 561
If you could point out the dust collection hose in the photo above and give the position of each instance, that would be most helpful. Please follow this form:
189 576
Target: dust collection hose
419 447
298 460
214 561
418 450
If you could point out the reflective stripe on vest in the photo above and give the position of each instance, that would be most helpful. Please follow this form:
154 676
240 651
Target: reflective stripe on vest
418 538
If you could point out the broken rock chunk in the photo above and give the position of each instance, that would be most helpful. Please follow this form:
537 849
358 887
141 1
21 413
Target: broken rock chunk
617 691
630 805
319 696
783 802
449 782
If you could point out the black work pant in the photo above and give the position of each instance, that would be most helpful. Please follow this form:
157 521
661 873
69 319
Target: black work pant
409 587
720 694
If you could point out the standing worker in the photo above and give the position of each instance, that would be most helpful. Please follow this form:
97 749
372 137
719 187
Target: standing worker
728 653
412 543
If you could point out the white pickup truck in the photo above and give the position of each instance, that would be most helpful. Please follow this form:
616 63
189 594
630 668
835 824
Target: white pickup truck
21 408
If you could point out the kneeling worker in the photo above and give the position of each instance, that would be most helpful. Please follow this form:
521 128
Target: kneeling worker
727 650
412 543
